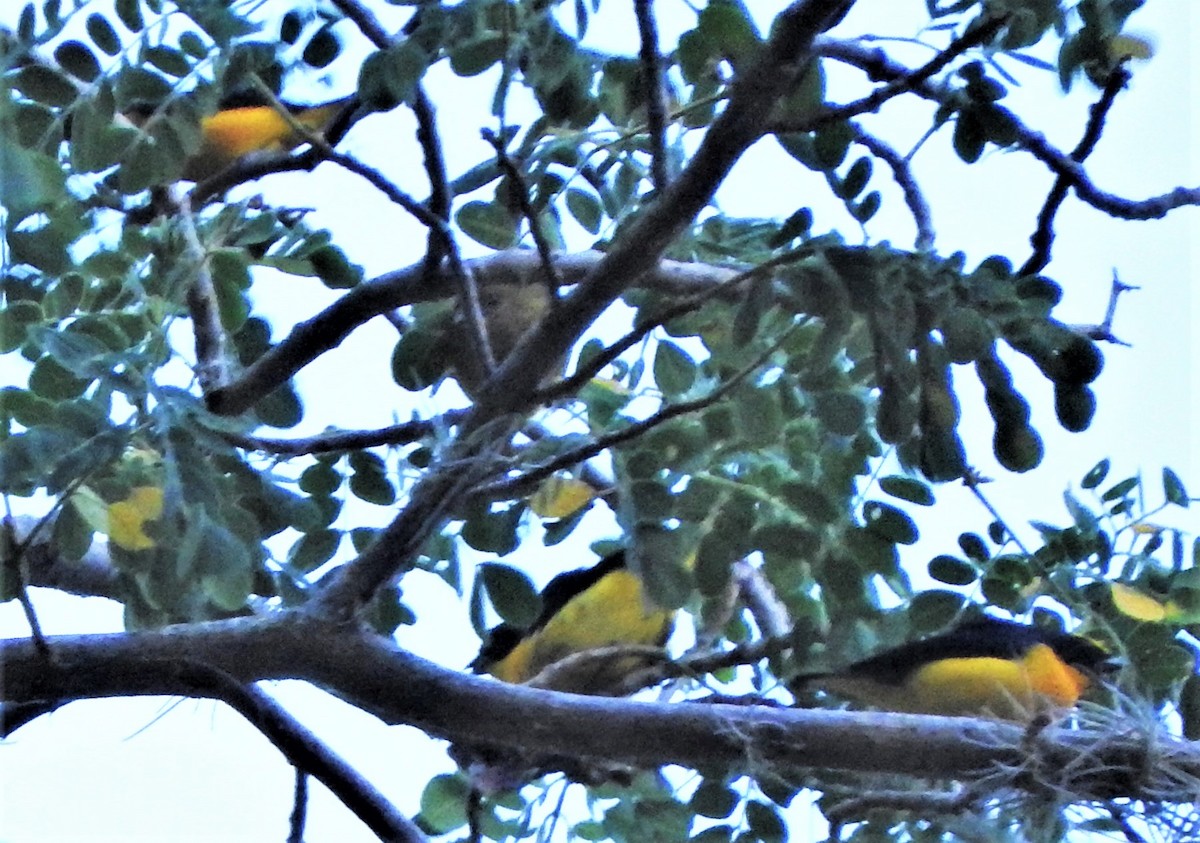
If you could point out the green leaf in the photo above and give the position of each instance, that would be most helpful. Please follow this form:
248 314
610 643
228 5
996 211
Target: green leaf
169 60
225 567
444 803
765 823
1173 489
103 35
889 523
1120 490
842 413
830 145
493 531
868 207
368 480
390 77
932 610
314 550
281 408
77 59
29 182
230 272
488 223
476 55
45 85
511 593
728 28
970 136
334 269
1096 474
714 799
674 370
320 479
130 15
50 380
586 209
856 179
760 417
952 570
907 489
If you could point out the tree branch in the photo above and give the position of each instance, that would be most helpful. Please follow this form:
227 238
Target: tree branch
879 66
399 687
304 750
1043 237
912 79
902 173
348 440
656 109
326 330
91 576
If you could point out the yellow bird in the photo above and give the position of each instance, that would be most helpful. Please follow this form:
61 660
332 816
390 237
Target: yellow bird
582 610
246 124
985 666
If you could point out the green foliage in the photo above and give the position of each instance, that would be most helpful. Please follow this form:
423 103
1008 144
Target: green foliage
751 423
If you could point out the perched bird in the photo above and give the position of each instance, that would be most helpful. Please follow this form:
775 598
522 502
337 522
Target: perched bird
984 666
582 610
510 310
246 124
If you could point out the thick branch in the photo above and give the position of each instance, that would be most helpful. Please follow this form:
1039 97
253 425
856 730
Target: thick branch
401 688
325 331
44 566
305 751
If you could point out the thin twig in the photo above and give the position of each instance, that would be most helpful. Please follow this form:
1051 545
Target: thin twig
1103 332
761 600
878 65
972 479
913 79
14 552
388 189
656 109
551 276
902 173
1043 237
211 369
348 440
299 815
441 243
528 481
572 384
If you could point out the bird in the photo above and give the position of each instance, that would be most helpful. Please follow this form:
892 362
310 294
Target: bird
510 309
246 123
582 610
985 666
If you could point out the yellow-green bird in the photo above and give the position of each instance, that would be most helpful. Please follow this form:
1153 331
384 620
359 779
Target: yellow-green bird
582 610
984 666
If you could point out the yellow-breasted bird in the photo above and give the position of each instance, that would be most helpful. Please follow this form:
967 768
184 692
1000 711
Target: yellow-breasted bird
984 666
582 610
247 123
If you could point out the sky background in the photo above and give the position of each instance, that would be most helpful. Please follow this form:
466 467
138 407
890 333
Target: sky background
159 769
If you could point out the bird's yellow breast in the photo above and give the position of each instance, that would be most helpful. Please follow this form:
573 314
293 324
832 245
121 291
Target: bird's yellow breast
241 131
613 611
1002 687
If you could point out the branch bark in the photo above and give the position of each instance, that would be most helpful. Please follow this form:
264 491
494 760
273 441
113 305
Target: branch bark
326 330
399 687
